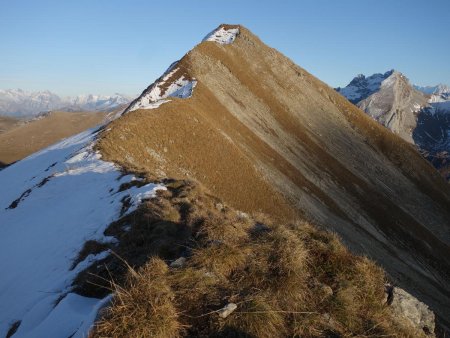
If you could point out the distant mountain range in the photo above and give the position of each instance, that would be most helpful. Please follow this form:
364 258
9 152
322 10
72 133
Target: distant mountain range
20 103
419 115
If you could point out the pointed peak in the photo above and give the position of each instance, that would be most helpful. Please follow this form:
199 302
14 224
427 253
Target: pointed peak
224 34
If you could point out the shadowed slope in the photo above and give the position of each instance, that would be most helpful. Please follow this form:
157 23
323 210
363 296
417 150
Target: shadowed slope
289 280
263 134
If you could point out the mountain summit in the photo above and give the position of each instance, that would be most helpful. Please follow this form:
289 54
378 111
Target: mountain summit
395 105
264 135
260 136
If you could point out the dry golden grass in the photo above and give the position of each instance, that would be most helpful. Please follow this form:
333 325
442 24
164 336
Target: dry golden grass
144 307
263 135
287 280
25 139
7 123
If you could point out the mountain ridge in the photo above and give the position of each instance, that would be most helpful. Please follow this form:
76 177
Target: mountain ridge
271 121
20 103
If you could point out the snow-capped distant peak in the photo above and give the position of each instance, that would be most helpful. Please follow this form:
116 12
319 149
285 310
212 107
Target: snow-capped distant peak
361 86
439 97
17 102
223 35
434 90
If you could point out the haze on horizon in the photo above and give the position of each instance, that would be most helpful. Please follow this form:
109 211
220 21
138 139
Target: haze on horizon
107 47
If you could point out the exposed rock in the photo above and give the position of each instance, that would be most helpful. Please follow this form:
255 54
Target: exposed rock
409 308
419 115
395 105
178 263
227 310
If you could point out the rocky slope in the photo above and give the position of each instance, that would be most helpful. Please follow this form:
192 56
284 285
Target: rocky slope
264 135
419 115
19 103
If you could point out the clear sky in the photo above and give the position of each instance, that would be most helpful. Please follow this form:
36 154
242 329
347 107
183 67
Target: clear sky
109 46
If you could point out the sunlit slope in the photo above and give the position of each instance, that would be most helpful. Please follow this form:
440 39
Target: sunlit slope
263 134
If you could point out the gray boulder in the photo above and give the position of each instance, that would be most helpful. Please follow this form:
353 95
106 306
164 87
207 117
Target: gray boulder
408 308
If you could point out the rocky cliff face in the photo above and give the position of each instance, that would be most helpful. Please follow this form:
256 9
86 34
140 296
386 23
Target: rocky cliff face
419 115
265 135
395 105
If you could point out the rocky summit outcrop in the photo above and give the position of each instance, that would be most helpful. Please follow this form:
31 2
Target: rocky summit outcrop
263 134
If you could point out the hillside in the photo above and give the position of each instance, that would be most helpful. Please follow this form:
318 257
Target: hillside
251 124
27 138
7 123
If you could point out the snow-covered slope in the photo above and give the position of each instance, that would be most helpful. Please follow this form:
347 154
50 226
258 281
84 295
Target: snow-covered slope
439 97
439 90
19 103
432 134
51 203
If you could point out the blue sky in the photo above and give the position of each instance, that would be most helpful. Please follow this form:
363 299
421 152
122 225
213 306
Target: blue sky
98 46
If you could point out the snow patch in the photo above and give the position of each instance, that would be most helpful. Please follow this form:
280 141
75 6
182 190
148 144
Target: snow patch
182 87
63 196
154 95
222 35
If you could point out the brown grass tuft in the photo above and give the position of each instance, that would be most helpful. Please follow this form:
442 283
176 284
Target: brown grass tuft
143 307
287 280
